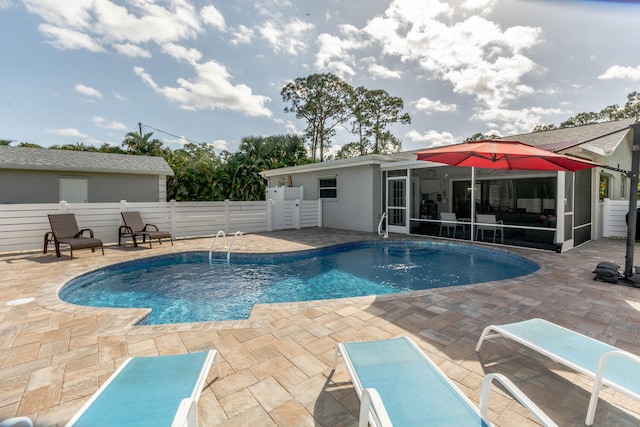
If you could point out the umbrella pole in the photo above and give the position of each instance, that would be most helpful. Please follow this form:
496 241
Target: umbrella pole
633 201
473 200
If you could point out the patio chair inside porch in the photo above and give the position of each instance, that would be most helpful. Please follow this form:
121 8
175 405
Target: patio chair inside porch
449 222
485 222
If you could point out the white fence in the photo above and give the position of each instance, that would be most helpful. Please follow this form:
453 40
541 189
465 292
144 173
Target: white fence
22 227
614 217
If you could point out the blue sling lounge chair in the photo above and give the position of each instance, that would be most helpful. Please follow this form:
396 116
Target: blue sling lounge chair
150 391
398 385
603 363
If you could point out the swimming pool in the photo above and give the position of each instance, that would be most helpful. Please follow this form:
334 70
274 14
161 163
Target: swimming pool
185 287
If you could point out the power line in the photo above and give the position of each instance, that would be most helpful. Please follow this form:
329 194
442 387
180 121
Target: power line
168 133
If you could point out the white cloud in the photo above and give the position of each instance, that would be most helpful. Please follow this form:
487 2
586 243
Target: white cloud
5 4
94 25
515 121
380 71
73 133
473 54
213 17
63 38
242 35
430 138
101 122
428 106
88 91
131 50
622 73
287 37
191 56
220 144
210 90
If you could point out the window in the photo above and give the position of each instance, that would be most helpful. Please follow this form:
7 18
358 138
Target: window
328 188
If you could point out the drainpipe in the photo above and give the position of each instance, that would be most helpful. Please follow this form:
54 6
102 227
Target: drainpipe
633 200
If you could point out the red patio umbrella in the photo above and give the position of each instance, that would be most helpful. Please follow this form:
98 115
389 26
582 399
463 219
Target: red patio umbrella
494 154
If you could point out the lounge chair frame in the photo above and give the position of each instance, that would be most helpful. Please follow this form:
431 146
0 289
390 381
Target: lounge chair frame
186 413
372 407
134 226
574 347
65 230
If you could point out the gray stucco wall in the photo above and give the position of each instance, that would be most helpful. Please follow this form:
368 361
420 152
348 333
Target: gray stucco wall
24 186
358 203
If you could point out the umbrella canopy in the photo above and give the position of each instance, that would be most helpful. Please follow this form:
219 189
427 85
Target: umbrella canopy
514 155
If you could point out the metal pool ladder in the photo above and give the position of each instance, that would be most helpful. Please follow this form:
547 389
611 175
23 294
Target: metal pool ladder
222 233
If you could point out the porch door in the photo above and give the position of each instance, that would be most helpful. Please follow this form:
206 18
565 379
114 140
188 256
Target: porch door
568 210
397 212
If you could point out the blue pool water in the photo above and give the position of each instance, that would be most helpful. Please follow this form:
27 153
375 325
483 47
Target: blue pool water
185 287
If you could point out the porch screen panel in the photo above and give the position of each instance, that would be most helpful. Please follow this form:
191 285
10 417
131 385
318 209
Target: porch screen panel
582 206
568 208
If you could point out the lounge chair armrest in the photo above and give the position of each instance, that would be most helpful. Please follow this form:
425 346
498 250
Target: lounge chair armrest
516 393
81 232
370 401
150 225
499 221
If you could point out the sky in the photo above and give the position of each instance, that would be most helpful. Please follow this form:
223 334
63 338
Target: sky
81 71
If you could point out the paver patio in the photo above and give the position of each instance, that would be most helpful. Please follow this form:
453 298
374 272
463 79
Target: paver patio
276 366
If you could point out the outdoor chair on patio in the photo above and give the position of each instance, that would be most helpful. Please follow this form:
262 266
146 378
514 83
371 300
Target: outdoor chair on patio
488 223
603 363
448 222
65 230
134 226
150 391
399 385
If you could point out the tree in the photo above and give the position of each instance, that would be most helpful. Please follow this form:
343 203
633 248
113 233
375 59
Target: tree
142 144
375 110
481 137
198 174
257 154
5 142
323 101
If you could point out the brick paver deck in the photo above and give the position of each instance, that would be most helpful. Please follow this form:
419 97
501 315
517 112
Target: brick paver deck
277 364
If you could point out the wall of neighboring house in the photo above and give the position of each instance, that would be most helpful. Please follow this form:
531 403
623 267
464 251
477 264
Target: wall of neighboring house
358 203
28 186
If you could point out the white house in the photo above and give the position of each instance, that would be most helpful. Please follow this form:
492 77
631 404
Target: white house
541 209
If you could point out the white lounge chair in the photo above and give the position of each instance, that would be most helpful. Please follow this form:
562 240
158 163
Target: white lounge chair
399 385
603 363
150 391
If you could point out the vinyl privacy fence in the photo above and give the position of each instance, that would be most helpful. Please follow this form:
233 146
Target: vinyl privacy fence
22 227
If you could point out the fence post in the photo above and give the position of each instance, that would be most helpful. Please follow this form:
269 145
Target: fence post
606 210
172 216
123 205
270 215
297 211
227 216
319 212
64 207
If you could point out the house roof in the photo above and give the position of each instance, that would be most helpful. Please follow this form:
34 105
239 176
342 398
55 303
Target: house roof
599 138
80 161
369 159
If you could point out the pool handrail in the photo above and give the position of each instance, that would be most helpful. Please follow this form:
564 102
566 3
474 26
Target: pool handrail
215 240
238 233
